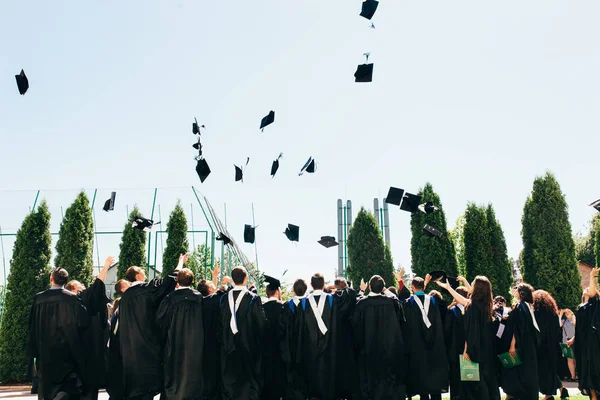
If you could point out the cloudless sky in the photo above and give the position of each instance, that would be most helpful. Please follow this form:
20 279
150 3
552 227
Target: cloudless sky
477 98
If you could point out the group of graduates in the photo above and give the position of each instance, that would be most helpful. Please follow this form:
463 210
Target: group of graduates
165 337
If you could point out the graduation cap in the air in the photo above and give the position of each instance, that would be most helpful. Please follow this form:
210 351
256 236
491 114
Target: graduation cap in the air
368 8
268 120
327 241
275 165
109 204
143 224
364 72
437 275
596 204
249 233
394 196
224 238
196 127
202 169
22 82
410 202
239 172
198 146
428 207
431 231
310 166
272 283
292 232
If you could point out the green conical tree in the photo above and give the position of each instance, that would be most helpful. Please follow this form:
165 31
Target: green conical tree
457 235
75 246
177 242
29 274
476 242
548 248
431 253
367 253
500 267
132 250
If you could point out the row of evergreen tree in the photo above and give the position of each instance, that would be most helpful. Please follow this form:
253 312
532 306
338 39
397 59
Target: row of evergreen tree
477 246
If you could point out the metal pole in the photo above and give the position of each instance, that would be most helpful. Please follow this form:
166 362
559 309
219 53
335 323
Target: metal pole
386 222
35 201
193 236
155 249
162 247
340 271
255 246
348 224
206 254
149 234
95 225
345 243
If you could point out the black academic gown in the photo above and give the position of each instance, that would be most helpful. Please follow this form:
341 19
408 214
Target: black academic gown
549 352
179 318
291 351
211 362
480 339
454 338
274 368
242 353
379 348
522 381
115 386
56 321
141 346
587 345
427 359
347 385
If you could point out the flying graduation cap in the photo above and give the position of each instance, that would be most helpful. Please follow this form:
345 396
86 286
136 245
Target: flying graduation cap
310 166
196 127
292 232
428 207
407 201
368 8
224 238
249 234
198 146
431 231
202 169
595 204
275 165
239 172
268 120
22 82
364 72
441 276
327 241
109 204
143 224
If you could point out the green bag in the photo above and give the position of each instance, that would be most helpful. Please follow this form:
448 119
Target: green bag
567 351
469 370
509 361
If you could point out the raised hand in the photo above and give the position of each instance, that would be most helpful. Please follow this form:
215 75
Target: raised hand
363 285
443 285
399 275
226 280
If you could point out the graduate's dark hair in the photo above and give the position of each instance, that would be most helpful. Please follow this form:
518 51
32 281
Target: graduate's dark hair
544 301
132 273
393 290
436 294
499 299
60 276
482 294
463 291
300 287
185 277
203 287
238 274
71 285
418 283
340 283
317 281
121 286
270 291
376 284
525 291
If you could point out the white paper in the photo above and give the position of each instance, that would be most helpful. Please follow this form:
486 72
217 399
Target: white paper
500 331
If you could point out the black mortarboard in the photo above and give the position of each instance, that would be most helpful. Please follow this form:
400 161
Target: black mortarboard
364 73
143 224
437 275
249 234
428 207
596 204
239 174
310 166
224 238
431 231
394 196
202 169
368 8
268 120
292 232
275 165
327 241
272 283
198 145
410 202
453 282
22 82
196 127
109 204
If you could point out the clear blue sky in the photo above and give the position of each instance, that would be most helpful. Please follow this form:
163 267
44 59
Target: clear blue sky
476 97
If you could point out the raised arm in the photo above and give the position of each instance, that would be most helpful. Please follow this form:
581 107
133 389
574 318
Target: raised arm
465 282
110 260
183 259
459 299
593 284
215 275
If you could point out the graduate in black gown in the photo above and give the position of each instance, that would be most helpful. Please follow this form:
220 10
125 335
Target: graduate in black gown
379 344
522 381
141 346
454 338
115 386
56 319
95 336
291 351
546 315
179 318
274 368
424 340
241 333
347 370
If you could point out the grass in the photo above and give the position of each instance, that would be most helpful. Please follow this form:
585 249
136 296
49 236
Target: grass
573 397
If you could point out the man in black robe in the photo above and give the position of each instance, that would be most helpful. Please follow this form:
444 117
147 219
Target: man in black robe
140 340
291 352
115 386
241 332
179 318
347 370
56 318
454 338
379 344
424 341
274 369
95 335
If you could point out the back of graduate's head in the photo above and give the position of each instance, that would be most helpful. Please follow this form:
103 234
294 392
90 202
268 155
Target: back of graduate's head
317 281
524 292
300 287
500 300
239 276
463 291
436 294
59 276
376 284
206 288
185 277
74 286
340 283
543 300
121 286
481 291
393 290
135 274
418 284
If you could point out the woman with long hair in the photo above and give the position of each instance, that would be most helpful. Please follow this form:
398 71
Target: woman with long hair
479 339
546 315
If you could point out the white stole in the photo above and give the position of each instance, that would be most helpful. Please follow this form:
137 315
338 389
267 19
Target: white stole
535 324
238 301
318 311
424 309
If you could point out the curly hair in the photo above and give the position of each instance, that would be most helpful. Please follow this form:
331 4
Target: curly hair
544 301
525 292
